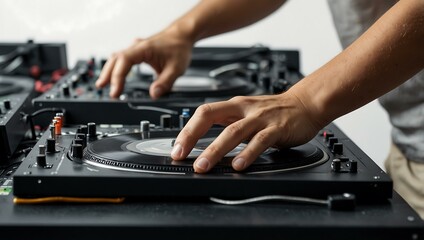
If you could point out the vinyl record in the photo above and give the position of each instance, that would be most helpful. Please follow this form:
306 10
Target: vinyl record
130 152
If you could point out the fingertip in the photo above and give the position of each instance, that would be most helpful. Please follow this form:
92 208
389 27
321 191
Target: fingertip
177 152
239 164
201 165
99 83
156 92
113 92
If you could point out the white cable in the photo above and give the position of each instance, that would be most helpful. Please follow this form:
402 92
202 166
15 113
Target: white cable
268 198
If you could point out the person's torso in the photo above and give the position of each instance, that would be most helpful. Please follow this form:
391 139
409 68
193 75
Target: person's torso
405 104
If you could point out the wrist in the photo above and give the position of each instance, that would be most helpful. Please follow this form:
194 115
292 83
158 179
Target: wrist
184 29
313 101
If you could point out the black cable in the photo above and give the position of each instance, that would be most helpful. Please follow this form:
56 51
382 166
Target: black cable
29 117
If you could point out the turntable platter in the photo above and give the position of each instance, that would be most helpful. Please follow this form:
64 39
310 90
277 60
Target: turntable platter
129 152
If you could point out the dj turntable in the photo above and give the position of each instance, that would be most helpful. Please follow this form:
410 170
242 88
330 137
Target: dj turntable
215 73
134 161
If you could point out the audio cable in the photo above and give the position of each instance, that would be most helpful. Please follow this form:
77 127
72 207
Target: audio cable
345 201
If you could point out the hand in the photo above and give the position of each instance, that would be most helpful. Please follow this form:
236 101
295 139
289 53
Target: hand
168 53
280 121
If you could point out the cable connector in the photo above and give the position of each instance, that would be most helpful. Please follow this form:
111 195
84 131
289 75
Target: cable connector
344 202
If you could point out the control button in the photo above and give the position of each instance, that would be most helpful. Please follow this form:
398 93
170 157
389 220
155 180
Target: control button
78 141
76 151
336 165
337 148
52 129
165 121
51 145
328 135
58 125
331 142
74 81
279 86
83 137
99 92
7 104
41 160
65 90
92 132
42 149
82 129
353 166
184 117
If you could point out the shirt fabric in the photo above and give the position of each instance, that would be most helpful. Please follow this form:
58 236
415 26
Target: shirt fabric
404 104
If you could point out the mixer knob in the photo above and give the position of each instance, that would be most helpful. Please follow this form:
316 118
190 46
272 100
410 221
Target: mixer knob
336 165
85 76
7 104
83 137
328 135
51 145
332 141
184 117
165 121
65 90
74 80
92 132
76 151
42 149
78 141
99 92
353 166
41 160
337 148
82 129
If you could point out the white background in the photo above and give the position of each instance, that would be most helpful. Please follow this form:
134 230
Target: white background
99 27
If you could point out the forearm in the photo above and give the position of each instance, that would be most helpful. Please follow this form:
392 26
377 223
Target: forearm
213 17
385 56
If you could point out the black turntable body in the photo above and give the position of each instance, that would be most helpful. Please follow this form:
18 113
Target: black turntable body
137 166
121 186
214 74
102 168
15 96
